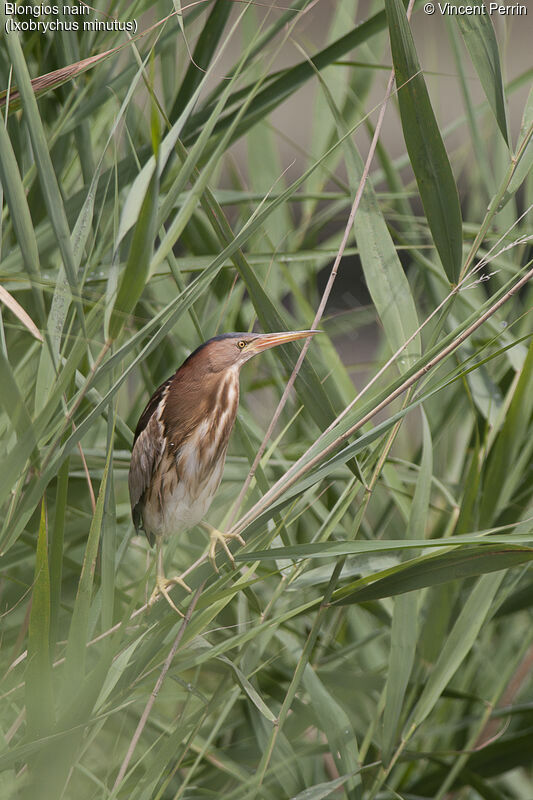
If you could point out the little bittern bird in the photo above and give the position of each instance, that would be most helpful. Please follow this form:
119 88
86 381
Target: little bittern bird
181 440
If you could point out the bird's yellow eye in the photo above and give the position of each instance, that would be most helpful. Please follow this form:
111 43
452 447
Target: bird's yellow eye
241 345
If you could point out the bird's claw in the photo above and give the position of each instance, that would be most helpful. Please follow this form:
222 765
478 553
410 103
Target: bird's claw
217 537
161 588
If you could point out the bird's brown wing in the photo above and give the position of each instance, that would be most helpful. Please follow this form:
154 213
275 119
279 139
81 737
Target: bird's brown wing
146 455
151 406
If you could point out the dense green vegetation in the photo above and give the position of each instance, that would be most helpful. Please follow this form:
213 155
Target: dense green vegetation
375 638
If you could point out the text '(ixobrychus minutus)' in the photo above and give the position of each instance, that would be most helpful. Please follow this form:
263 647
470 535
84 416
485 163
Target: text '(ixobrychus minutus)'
181 441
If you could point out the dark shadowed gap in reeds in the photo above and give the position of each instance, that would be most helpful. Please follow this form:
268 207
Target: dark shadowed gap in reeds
375 639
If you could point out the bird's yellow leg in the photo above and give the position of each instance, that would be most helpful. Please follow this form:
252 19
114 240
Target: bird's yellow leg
162 584
217 537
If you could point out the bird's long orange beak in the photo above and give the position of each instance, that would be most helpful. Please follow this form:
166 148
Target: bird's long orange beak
268 340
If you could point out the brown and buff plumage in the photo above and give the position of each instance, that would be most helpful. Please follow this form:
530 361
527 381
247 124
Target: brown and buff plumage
180 444
181 440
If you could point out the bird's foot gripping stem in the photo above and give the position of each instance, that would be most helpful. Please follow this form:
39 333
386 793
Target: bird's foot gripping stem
217 537
162 586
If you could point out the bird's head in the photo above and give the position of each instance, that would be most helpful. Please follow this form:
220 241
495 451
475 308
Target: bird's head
234 349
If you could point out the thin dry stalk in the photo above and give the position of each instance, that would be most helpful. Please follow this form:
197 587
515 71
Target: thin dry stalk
155 691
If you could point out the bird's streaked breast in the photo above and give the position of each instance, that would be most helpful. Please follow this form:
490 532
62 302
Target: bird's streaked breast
190 470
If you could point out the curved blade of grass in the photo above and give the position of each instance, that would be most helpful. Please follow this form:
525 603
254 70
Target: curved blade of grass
478 33
424 144
252 693
432 570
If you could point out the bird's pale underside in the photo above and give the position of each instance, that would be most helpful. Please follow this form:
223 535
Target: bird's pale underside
182 437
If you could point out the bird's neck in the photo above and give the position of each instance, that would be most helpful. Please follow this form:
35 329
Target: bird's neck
202 404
